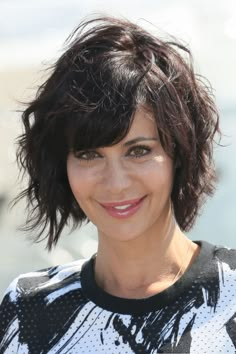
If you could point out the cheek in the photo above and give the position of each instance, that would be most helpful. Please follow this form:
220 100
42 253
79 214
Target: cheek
80 180
76 180
158 173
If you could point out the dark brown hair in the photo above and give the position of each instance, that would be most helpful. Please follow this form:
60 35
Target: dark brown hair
110 67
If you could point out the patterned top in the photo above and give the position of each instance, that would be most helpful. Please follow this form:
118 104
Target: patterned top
62 310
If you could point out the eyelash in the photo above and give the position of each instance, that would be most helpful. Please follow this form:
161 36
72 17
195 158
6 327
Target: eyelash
79 155
147 150
94 154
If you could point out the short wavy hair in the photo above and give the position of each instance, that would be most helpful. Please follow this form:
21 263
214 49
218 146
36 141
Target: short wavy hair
111 66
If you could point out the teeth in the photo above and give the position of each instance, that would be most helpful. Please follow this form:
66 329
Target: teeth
122 207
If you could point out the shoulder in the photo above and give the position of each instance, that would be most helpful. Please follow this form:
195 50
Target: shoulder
44 281
214 269
225 257
37 297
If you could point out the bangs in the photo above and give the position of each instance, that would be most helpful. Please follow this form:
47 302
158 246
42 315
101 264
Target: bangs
102 109
110 69
93 130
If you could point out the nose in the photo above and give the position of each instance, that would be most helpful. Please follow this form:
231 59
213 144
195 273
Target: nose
116 177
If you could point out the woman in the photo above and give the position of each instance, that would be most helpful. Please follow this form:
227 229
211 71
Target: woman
121 134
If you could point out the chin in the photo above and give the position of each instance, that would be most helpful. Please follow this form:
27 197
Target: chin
121 235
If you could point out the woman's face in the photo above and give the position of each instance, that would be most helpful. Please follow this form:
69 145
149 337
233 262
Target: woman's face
125 189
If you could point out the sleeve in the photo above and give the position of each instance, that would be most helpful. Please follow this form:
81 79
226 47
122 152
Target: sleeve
9 324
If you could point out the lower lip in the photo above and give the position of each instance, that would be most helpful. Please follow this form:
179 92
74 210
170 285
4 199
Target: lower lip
122 214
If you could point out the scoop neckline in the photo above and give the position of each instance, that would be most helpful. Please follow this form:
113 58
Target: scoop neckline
155 302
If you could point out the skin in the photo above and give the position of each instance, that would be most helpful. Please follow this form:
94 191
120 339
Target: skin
139 255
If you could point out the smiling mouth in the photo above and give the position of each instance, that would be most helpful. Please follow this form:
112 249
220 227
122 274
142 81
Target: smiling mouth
123 209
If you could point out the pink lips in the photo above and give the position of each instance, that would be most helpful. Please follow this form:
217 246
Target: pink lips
123 209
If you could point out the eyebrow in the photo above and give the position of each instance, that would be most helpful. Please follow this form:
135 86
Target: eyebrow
137 140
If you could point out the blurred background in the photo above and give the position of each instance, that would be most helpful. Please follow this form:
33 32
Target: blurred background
32 34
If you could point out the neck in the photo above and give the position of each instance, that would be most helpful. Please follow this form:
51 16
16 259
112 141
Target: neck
143 267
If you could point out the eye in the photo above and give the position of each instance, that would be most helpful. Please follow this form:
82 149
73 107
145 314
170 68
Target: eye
139 151
88 155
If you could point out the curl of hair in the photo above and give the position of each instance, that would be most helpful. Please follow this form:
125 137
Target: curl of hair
109 68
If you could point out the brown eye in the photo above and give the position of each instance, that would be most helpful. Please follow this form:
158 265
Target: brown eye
139 151
86 155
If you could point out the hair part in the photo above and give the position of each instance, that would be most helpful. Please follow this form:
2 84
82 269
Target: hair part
109 68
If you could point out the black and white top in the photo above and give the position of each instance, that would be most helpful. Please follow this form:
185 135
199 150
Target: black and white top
62 310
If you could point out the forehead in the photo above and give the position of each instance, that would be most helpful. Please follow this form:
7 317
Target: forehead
144 124
100 130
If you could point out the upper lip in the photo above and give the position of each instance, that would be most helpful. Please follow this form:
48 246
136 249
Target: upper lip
125 202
